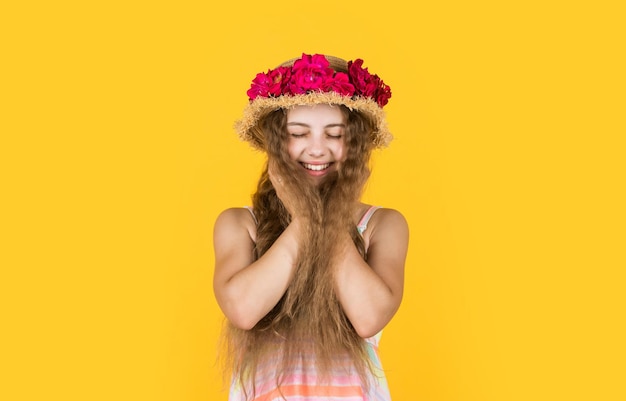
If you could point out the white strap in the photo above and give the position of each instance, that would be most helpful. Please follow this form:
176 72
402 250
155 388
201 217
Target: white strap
362 226
252 213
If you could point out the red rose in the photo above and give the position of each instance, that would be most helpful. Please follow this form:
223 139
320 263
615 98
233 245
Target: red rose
371 86
263 85
359 76
383 94
313 73
316 61
309 73
340 83
280 78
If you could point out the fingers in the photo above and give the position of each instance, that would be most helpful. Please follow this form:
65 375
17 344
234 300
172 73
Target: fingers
281 187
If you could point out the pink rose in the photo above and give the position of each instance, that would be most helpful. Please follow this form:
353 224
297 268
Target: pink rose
263 85
317 61
340 83
280 78
309 73
313 73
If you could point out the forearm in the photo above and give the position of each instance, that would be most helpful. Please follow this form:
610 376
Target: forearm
367 300
253 291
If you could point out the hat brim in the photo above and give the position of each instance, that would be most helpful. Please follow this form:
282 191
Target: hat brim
261 106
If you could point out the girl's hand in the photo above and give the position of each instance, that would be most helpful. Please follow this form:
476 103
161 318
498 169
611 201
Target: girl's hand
283 191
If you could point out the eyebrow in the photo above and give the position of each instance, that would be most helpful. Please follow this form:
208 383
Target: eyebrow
342 125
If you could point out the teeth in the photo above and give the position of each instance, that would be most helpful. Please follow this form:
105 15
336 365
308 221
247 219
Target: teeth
316 167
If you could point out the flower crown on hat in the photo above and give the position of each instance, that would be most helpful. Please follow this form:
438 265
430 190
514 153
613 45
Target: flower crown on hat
316 79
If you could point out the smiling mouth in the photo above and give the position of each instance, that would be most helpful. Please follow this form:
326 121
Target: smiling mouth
315 167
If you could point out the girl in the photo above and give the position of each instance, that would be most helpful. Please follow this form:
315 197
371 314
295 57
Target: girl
309 276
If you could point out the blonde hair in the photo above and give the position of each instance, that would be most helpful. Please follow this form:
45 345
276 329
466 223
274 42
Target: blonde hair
308 318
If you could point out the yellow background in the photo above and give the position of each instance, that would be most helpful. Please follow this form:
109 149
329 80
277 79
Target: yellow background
117 153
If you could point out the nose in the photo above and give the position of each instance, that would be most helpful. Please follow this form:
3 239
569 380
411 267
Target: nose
316 146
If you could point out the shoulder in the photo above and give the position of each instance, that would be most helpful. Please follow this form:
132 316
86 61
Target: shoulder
381 225
388 225
386 217
236 219
235 215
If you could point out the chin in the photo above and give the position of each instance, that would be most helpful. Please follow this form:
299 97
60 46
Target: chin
329 178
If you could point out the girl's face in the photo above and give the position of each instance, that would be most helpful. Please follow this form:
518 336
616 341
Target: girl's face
316 138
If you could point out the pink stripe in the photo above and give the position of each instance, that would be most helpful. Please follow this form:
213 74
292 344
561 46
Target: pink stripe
312 379
368 214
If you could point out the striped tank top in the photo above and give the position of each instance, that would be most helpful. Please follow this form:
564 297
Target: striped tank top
302 383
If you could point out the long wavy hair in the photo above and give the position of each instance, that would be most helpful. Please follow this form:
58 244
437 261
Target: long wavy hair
308 319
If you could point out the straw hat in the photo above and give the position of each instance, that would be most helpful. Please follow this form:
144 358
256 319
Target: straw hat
316 79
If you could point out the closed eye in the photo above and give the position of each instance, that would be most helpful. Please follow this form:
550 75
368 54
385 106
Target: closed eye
334 133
